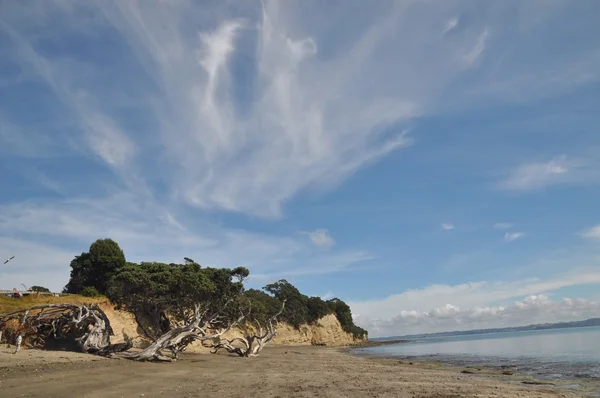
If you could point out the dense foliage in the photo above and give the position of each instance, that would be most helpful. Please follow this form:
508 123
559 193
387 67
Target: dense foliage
40 289
164 292
159 293
344 315
302 309
96 267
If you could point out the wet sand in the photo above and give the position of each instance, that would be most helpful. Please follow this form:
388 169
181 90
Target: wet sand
281 371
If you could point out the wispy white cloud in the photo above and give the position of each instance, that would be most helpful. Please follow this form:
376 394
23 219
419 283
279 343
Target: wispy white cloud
102 134
151 233
593 233
466 306
448 226
560 170
321 238
503 225
450 25
476 52
510 236
243 110
285 138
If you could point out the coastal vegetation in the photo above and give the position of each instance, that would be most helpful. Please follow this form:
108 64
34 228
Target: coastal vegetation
174 305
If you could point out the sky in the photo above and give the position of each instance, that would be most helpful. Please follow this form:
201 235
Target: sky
434 164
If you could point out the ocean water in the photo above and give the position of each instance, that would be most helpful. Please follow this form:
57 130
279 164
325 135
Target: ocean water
545 354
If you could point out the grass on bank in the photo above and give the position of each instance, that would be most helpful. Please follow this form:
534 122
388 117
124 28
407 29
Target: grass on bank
8 304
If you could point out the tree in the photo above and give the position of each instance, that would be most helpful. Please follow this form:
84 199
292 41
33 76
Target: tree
316 309
260 305
295 312
302 309
344 315
175 304
86 326
89 291
253 341
96 267
40 289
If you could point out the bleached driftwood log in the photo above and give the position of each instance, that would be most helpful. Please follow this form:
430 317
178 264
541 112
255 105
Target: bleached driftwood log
87 326
253 342
179 338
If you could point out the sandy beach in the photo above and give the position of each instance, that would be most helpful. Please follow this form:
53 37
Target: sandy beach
281 371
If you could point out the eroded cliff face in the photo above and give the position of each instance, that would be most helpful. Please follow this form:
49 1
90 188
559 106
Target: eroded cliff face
327 331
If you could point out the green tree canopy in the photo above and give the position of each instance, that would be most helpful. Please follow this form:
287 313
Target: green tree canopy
96 267
296 311
262 305
163 293
303 309
344 315
158 291
40 289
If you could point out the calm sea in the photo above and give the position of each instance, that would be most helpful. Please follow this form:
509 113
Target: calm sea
548 354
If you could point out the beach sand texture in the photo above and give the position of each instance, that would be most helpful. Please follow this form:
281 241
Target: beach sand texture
281 371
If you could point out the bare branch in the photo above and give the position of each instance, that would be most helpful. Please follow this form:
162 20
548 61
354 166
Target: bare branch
253 343
88 326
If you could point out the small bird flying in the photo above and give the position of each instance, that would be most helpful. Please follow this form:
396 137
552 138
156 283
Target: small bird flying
8 259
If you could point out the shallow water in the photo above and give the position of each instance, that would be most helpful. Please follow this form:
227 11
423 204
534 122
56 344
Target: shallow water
547 354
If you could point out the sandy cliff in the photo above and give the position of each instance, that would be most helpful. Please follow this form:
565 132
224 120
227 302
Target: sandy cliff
327 331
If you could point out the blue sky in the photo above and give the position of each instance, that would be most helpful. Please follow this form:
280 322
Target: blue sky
435 164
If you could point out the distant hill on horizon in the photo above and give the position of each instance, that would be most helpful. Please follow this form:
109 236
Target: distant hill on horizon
540 326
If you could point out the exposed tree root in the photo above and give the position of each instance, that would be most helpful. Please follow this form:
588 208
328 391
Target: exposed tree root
179 338
253 343
87 326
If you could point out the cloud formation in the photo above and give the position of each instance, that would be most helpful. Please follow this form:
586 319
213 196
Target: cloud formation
448 226
531 310
243 110
510 236
503 225
203 117
321 238
557 171
150 234
475 305
592 233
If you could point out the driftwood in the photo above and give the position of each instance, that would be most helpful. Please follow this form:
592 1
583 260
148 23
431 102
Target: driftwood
253 342
179 338
87 326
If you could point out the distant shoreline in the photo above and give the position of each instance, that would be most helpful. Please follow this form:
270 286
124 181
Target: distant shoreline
591 322
376 343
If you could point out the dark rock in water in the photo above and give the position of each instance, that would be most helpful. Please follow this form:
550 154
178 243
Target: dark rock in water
537 383
508 372
583 376
467 371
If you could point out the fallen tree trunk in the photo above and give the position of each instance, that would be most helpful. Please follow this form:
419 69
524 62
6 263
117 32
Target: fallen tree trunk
253 342
178 339
87 327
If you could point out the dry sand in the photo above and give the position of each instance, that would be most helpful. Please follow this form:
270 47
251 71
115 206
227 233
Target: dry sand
281 371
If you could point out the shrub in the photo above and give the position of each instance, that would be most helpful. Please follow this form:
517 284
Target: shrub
89 291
